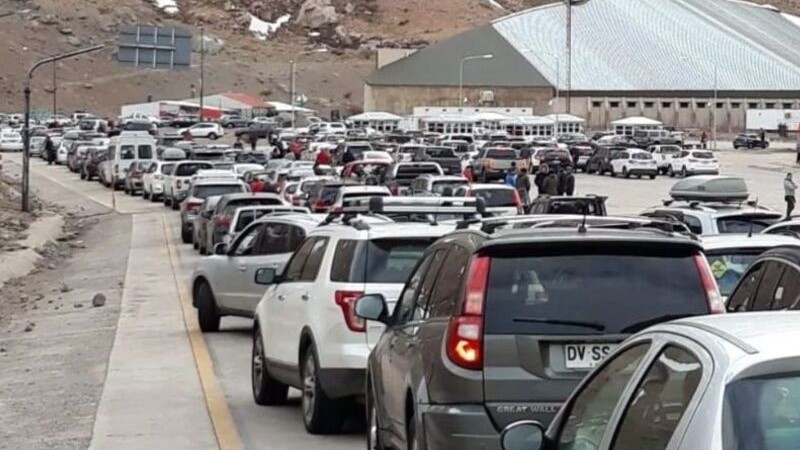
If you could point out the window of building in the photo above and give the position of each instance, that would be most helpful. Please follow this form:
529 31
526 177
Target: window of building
613 104
596 104
752 105
649 104
788 106
769 105
736 105
720 105
684 105
666 104
701 105
632 105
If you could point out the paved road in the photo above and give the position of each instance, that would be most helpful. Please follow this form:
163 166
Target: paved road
281 428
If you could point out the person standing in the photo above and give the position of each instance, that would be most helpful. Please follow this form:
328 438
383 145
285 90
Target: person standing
762 135
468 173
704 140
511 175
50 150
569 182
524 189
550 184
538 180
790 188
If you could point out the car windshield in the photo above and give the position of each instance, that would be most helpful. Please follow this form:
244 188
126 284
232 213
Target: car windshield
671 149
189 169
566 284
703 155
439 187
502 154
745 224
762 413
440 152
377 261
729 265
497 197
205 191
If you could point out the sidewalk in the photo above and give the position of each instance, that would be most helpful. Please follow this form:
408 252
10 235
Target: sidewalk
153 398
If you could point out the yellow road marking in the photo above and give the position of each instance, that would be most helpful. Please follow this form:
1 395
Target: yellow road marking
221 418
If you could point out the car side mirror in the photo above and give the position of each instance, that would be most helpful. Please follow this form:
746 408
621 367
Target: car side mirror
372 307
523 435
266 276
206 214
221 249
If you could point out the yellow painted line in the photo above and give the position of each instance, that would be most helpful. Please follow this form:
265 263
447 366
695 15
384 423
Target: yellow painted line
218 410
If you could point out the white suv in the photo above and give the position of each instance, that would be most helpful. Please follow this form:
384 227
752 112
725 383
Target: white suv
633 162
693 162
306 333
210 130
178 181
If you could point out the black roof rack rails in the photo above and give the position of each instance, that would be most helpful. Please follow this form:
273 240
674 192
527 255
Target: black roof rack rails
405 209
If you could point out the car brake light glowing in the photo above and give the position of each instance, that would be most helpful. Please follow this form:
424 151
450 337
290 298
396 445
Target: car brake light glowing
465 331
715 303
347 301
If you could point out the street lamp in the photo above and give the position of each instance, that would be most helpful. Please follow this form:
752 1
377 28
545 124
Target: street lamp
461 74
716 92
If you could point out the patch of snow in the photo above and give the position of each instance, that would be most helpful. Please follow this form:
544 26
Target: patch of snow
262 29
169 7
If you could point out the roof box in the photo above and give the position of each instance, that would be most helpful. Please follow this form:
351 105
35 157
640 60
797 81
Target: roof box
710 189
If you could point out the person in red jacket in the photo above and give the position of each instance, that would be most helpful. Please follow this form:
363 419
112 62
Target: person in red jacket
257 185
323 158
468 174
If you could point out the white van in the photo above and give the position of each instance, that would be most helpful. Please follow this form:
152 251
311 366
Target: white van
124 149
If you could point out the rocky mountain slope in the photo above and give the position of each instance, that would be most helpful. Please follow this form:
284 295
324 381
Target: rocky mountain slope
332 42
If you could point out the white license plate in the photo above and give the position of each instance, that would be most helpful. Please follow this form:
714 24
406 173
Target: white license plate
586 356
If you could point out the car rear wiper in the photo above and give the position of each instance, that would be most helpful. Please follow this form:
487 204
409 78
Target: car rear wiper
639 326
593 325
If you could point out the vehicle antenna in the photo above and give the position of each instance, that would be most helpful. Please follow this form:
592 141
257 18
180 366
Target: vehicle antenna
582 227
750 232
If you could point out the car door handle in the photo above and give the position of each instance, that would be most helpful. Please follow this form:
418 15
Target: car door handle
242 268
304 297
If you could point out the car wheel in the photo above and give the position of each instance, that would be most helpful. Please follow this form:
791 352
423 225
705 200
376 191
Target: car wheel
267 391
670 172
195 245
166 200
625 172
684 173
749 146
613 173
153 197
653 176
83 175
175 205
186 235
212 136
207 313
374 441
321 415
411 433
736 147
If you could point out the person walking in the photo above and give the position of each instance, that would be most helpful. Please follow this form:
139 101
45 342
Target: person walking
511 175
762 135
50 151
789 188
538 180
568 182
468 174
550 184
524 189
704 140
348 156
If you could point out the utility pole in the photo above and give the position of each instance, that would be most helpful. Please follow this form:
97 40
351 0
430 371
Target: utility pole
569 56
292 93
55 89
202 69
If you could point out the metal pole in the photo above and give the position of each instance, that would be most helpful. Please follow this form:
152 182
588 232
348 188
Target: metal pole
569 56
55 88
26 136
558 91
461 83
292 92
202 69
714 117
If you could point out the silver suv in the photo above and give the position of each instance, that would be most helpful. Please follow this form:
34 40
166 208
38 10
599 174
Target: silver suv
493 329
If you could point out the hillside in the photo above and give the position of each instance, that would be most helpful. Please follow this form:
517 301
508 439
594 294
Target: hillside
331 40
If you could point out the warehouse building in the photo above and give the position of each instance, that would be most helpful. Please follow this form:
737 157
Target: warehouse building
660 59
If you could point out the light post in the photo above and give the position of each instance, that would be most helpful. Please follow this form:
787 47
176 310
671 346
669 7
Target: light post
461 74
716 95
26 135
292 93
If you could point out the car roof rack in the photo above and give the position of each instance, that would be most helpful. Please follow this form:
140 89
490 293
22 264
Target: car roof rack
665 225
407 209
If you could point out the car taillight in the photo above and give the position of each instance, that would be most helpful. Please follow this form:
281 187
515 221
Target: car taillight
347 301
465 331
223 222
715 303
193 206
320 206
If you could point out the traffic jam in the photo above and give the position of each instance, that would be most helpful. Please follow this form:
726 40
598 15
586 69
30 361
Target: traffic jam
453 292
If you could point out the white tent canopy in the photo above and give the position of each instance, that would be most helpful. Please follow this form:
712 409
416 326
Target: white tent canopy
285 107
374 116
637 121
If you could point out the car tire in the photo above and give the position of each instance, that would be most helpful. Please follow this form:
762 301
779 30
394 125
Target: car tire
684 172
653 176
749 146
321 415
186 235
670 172
207 314
175 205
374 441
153 197
166 201
195 245
83 175
625 172
613 173
736 147
267 391
213 136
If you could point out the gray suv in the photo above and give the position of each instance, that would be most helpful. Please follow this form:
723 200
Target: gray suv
491 329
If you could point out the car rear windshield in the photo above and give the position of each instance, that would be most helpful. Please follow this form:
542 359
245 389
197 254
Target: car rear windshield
439 187
413 171
187 170
703 155
496 197
670 149
641 156
440 153
502 154
745 224
762 413
206 191
599 289
167 168
377 261
232 206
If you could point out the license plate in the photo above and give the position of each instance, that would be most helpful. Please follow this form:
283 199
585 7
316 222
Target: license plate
586 356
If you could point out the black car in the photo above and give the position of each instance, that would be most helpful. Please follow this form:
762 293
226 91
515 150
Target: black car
771 283
184 121
749 141
600 162
446 157
491 329
590 205
234 122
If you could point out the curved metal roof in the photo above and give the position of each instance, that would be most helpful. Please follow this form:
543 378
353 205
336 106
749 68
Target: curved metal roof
623 45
